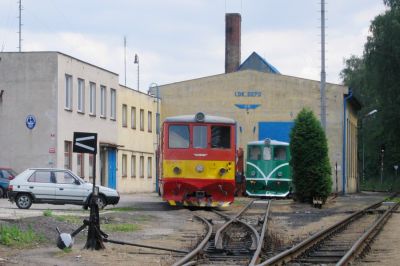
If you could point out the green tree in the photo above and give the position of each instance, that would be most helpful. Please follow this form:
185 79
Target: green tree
310 161
375 80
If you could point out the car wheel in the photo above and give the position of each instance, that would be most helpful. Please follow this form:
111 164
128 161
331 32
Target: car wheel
101 202
23 201
2 193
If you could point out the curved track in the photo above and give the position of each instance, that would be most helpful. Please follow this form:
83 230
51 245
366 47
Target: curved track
237 241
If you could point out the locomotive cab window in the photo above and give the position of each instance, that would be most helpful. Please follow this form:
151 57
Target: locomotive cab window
199 137
178 136
267 153
221 137
279 153
254 152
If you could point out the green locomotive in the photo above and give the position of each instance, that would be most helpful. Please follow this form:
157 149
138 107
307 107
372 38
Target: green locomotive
268 173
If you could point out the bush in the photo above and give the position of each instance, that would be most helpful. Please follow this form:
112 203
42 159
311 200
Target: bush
310 161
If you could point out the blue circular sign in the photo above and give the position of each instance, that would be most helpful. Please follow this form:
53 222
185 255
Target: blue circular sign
30 121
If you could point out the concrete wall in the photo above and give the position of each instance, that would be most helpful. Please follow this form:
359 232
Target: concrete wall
29 81
135 142
279 98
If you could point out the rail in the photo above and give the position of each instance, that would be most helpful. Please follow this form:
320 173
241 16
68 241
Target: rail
298 249
195 251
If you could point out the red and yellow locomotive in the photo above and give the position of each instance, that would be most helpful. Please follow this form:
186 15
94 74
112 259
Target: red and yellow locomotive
198 160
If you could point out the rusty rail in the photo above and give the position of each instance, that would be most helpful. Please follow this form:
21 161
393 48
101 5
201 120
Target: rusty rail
218 242
262 235
300 248
359 246
195 251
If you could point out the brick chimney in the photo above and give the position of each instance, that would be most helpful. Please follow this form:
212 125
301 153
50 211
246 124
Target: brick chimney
232 41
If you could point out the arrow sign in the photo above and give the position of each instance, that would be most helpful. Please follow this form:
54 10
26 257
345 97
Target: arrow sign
85 142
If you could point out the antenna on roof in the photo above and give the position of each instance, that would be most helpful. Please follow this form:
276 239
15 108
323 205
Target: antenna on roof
20 26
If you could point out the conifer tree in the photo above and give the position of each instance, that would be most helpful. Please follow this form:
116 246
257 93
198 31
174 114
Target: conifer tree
310 161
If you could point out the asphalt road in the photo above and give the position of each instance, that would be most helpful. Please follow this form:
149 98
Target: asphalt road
10 210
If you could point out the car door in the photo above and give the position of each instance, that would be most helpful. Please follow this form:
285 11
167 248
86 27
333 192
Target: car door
68 188
41 185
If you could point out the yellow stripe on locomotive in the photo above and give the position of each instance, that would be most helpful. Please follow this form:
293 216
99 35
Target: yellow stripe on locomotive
198 169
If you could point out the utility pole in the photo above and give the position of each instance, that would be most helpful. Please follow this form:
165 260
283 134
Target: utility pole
137 62
382 155
20 26
323 73
125 58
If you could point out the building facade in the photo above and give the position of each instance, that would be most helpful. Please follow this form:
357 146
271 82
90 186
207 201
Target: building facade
265 104
47 96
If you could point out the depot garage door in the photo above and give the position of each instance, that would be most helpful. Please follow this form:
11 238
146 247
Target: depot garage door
274 130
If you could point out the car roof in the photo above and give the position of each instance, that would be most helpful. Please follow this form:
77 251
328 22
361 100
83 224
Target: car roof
52 169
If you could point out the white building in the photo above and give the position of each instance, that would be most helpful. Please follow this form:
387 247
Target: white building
49 95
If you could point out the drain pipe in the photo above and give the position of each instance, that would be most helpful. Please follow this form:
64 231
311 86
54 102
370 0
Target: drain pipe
344 140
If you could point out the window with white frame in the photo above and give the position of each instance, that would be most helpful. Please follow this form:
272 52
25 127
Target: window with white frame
133 117
149 121
103 100
113 97
141 119
133 166
81 95
141 167
92 98
124 114
124 166
149 167
68 92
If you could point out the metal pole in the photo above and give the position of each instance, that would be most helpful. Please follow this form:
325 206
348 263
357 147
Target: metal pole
382 168
323 73
158 138
138 75
125 58
20 27
137 62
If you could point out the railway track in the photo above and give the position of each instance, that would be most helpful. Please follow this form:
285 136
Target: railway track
233 240
339 244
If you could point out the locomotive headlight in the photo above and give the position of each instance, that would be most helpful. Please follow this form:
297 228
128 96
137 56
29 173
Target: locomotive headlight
222 171
253 173
280 174
177 170
199 168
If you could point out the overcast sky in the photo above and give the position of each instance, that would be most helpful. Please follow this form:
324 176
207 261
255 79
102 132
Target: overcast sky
183 39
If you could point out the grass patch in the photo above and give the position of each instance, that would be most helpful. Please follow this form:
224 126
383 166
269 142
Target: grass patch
48 213
395 200
123 209
69 219
142 218
13 236
120 227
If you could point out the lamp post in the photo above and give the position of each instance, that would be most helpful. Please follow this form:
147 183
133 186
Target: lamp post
363 153
137 62
154 85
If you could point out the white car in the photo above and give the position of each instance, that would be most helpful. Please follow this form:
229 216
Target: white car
55 186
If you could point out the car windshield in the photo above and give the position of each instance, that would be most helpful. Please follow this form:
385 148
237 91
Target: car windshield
12 172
